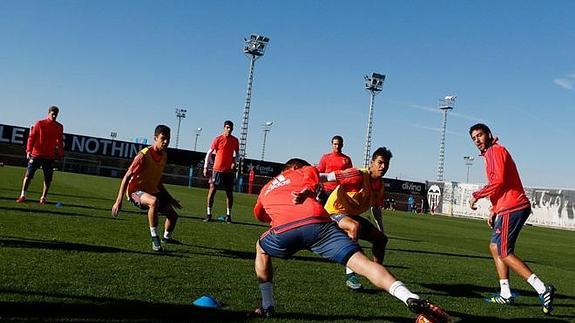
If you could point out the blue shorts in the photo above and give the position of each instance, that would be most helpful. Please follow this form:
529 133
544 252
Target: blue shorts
365 226
506 230
324 239
47 167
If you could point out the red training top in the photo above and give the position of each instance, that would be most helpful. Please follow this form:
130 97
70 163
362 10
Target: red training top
224 148
331 162
45 137
275 203
504 187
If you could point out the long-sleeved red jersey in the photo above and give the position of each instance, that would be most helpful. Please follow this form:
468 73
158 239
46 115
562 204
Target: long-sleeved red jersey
45 136
504 187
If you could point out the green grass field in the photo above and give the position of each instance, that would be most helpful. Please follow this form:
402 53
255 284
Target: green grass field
78 263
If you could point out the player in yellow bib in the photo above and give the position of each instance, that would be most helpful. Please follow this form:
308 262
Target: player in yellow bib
358 191
142 187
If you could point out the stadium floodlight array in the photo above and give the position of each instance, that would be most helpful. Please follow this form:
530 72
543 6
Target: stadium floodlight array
445 105
266 127
180 114
373 84
255 47
468 163
113 135
198 131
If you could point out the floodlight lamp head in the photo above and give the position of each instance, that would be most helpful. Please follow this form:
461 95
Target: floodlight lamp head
375 82
256 45
447 103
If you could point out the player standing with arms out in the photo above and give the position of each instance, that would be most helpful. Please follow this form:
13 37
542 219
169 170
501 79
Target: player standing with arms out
360 190
510 209
143 187
227 150
299 222
45 145
331 162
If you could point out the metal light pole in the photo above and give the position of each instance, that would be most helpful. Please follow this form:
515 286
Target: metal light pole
254 48
468 163
198 131
445 105
180 114
267 127
373 84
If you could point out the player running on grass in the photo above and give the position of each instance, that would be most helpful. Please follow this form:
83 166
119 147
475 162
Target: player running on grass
360 190
510 210
298 222
45 145
142 186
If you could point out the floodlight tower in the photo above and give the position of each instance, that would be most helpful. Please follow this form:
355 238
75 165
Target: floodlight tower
373 84
254 48
198 131
113 135
445 105
180 114
266 127
468 163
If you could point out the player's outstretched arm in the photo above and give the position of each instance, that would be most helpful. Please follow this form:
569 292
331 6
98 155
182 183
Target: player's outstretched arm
206 161
378 217
118 204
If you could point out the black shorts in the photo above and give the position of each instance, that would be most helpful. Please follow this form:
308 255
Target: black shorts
47 167
365 226
163 200
223 180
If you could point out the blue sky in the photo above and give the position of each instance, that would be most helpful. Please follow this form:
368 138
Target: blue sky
126 65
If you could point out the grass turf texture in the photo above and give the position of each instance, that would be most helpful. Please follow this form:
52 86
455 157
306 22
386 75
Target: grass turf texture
77 262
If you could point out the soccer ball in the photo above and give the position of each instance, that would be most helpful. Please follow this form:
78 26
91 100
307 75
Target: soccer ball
423 319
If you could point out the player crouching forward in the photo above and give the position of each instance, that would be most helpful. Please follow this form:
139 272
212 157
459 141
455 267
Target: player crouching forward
357 191
143 188
298 222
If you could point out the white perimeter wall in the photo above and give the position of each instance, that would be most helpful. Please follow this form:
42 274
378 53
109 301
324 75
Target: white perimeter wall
551 207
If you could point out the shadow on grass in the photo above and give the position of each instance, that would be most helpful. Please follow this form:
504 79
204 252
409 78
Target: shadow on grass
440 253
307 317
118 311
463 317
216 221
38 193
10 242
30 211
475 291
94 308
251 255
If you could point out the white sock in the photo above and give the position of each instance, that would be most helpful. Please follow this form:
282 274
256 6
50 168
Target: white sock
228 212
153 232
534 281
348 271
401 292
267 292
209 210
167 235
23 194
505 289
